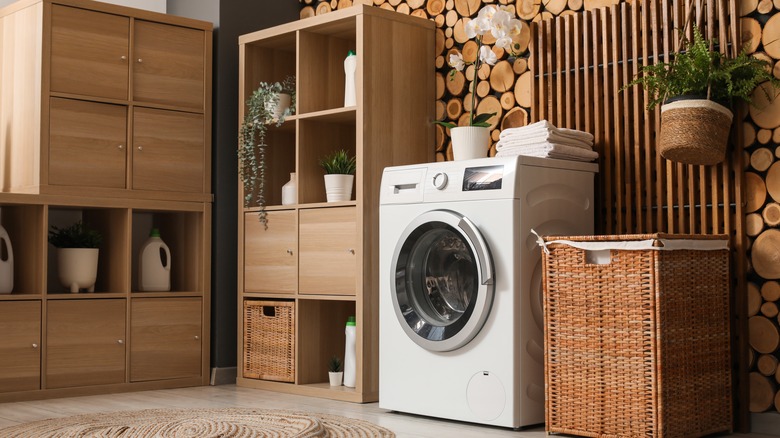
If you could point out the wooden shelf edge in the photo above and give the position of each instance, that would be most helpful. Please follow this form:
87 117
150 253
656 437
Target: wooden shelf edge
20 297
40 394
84 295
301 206
171 294
320 390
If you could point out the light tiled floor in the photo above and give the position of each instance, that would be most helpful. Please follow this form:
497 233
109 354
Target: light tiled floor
404 425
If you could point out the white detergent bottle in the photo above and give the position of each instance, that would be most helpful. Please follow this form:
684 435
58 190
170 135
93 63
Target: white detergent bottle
6 263
349 353
350 66
154 264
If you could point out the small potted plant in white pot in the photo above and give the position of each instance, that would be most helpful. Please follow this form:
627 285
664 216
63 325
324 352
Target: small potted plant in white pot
335 372
339 169
77 255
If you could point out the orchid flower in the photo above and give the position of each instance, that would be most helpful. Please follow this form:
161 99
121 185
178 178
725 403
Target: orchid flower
504 28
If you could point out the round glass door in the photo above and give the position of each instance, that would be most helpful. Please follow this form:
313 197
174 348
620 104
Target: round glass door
442 289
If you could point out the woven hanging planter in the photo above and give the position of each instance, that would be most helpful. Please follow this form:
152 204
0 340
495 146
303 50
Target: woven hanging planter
694 131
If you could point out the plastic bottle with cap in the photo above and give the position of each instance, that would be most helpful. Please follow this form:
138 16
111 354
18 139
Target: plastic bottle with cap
349 353
154 264
350 67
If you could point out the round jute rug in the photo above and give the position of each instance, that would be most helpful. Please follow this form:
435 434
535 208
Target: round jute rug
198 423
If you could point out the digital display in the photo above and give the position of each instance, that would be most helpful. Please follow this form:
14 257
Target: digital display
483 178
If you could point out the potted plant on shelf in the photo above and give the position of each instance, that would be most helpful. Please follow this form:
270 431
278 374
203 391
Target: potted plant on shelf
270 103
696 90
339 175
77 255
473 140
335 372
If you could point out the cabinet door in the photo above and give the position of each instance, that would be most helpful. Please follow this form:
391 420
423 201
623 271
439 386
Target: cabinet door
20 353
87 143
165 338
89 52
168 65
85 342
328 238
270 255
168 151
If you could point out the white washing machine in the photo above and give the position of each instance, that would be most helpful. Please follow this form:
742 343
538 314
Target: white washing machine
460 310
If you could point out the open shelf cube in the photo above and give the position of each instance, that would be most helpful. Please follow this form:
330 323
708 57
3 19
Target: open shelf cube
182 231
112 224
24 225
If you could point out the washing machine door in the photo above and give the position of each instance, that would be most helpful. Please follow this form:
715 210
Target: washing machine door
443 288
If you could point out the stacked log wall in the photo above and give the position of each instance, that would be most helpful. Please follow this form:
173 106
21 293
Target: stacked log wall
743 201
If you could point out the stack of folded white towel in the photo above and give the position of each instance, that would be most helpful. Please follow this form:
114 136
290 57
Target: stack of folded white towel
543 139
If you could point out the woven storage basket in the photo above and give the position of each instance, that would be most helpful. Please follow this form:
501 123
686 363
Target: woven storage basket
694 131
639 345
269 340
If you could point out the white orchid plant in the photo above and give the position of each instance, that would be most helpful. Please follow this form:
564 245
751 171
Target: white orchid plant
501 24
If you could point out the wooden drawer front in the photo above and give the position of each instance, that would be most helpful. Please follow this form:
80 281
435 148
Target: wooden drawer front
85 343
327 259
20 351
271 256
89 53
165 338
87 144
168 151
168 65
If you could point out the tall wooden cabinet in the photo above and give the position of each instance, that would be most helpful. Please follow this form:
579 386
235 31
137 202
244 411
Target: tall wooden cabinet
105 118
323 256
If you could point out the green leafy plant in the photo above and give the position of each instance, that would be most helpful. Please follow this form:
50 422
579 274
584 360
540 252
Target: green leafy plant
698 70
259 114
338 162
334 365
499 22
74 236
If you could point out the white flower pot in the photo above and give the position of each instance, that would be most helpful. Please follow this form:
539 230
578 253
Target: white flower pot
469 142
77 268
335 378
277 110
339 187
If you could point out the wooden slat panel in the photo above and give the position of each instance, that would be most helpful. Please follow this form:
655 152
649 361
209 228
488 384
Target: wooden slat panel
638 191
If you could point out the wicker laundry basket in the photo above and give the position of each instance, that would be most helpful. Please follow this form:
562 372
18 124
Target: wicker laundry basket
269 340
637 335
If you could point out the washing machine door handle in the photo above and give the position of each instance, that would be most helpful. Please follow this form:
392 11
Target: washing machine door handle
480 249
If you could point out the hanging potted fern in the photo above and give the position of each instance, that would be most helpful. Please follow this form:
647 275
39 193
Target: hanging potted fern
270 103
696 90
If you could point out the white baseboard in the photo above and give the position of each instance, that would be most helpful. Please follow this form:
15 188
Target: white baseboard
223 376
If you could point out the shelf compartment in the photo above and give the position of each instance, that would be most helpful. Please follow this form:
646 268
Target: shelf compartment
326 47
270 60
113 225
24 224
183 232
317 138
321 336
280 162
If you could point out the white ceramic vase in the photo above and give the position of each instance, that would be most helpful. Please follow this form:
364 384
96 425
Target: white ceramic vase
338 187
335 378
289 193
77 268
470 142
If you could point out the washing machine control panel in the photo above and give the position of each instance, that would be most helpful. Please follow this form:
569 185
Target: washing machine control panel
439 180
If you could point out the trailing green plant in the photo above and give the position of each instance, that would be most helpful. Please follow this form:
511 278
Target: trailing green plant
75 236
338 162
251 139
698 70
334 365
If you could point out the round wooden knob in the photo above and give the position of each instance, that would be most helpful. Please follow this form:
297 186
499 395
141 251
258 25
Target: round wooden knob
120 341
123 57
140 60
140 148
197 337
34 345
